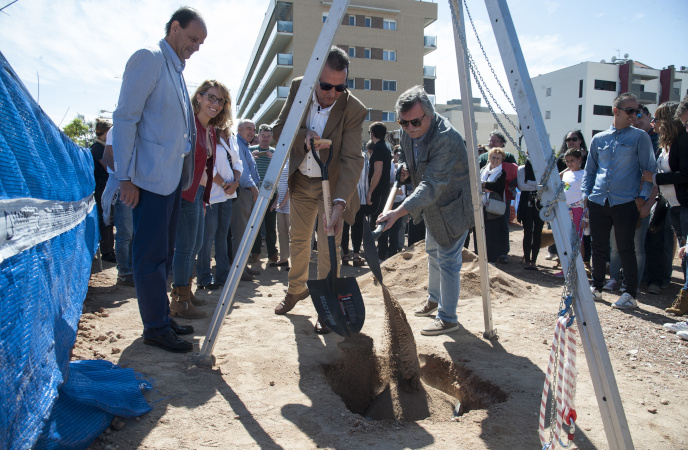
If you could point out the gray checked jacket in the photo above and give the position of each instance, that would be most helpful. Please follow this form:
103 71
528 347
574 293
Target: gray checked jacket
441 183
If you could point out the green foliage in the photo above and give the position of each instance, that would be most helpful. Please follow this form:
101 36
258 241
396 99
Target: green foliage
80 131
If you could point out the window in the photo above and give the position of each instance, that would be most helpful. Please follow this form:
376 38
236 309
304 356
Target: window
602 110
389 24
366 85
324 17
368 22
389 55
366 53
351 83
580 89
580 113
352 21
594 132
547 114
604 85
368 116
389 116
548 92
352 52
388 85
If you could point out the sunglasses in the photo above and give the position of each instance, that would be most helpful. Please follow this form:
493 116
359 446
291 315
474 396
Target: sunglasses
632 111
414 122
572 139
328 86
214 99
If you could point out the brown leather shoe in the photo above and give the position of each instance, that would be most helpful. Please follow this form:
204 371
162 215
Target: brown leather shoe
320 327
254 258
250 271
289 302
247 276
195 300
273 258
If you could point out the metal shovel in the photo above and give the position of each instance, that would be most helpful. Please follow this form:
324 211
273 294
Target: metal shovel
337 300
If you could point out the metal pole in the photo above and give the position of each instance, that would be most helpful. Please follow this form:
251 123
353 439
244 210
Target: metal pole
540 152
286 140
471 145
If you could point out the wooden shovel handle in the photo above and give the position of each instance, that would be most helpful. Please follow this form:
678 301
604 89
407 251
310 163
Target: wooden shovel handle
322 141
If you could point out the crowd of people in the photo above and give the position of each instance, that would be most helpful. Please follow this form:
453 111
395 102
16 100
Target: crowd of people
177 181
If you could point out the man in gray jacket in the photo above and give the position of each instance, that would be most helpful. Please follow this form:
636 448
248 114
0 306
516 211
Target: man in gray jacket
437 162
153 144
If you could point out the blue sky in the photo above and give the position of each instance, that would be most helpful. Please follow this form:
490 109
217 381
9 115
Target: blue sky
79 48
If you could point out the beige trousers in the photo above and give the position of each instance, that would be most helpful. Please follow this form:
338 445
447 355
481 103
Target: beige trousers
307 205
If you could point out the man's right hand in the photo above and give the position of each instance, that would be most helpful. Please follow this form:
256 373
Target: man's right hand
129 193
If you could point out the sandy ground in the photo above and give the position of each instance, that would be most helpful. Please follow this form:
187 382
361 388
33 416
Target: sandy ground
272 385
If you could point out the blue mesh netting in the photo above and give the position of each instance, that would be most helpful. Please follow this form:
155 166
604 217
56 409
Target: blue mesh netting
43 288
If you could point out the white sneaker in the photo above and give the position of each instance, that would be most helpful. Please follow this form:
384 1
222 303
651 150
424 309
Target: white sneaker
596 294
683 335
625 302
611 285
551 256
676 327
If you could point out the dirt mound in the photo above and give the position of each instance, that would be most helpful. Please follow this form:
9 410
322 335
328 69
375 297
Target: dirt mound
407 274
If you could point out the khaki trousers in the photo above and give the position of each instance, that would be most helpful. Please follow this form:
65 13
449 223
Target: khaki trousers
307 205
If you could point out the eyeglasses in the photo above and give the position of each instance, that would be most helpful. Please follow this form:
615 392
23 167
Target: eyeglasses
632 111
213 99
414 122
572 139
328 86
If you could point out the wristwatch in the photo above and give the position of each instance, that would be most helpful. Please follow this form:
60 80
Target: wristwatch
339 201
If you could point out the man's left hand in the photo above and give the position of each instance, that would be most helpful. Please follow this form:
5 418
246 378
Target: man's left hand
391 217
336 220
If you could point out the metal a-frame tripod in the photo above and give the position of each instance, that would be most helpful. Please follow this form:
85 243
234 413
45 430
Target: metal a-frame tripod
540 153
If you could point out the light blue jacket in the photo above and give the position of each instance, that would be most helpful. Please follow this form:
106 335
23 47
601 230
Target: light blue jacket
152 128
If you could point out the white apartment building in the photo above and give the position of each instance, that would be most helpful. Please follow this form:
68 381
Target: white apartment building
581 96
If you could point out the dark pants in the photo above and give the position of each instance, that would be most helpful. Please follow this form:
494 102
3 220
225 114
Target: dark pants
532 233
623 218
495 238
270 222
394 234
357 228
659 251
155 229
416 232
378 204
107 235
504 230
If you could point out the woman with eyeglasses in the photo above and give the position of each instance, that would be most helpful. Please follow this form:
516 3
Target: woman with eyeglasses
672 180
493 179
210 109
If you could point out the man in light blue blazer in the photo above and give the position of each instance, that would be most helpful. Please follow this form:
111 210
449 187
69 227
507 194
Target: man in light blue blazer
153 145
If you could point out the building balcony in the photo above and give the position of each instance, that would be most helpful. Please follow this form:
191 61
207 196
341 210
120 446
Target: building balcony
429 72
271 107
644 97
430 44
264 81
279 38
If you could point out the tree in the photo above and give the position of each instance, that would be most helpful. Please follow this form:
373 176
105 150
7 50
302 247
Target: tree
80 131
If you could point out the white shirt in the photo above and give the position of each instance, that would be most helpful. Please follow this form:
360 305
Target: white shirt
317 119
572 186
222 167
668 190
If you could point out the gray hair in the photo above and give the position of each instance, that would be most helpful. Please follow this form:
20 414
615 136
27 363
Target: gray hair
241 123
415 95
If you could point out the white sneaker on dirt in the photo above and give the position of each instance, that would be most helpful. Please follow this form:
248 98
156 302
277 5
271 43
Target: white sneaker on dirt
683 335
550 256
625 302
611 285
676 327
439 326
596 294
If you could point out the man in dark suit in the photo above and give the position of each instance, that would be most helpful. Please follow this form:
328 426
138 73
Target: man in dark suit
153 143
333 113
437 162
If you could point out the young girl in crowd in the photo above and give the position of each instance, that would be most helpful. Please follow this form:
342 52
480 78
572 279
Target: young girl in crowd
572 177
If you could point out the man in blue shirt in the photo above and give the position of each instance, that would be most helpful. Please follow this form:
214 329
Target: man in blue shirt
614 193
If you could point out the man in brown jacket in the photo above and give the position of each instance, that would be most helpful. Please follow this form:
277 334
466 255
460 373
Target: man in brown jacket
335 114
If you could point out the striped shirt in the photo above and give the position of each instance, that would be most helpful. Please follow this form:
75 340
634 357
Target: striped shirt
282 188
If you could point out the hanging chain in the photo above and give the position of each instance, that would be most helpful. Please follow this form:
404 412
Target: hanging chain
482 85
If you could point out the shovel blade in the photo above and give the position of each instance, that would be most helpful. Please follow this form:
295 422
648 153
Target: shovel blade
339 304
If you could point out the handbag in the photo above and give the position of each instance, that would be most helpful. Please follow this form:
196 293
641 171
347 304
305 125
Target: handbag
494 207
658 215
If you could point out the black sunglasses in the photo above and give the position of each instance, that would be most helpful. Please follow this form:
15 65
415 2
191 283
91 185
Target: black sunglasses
328 86
213 99
572 139
414 122
632 111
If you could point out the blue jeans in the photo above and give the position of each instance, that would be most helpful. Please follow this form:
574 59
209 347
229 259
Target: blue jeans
124 237
217 217
639 242
444 280
155 229
189 238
